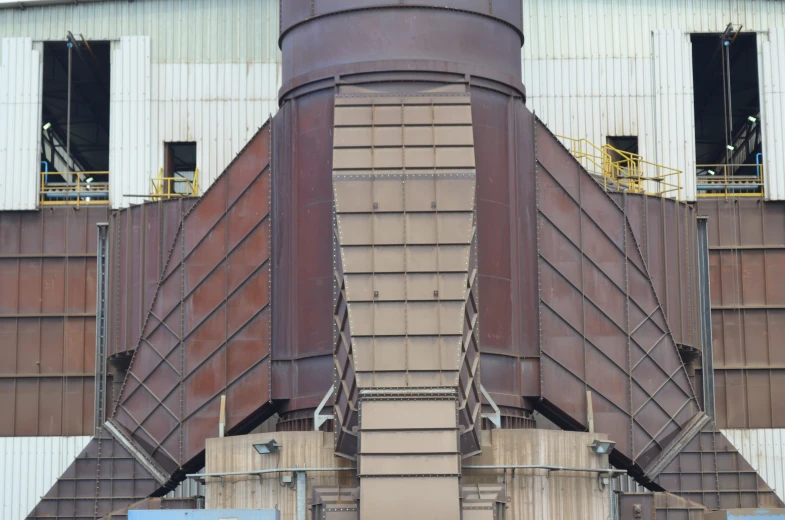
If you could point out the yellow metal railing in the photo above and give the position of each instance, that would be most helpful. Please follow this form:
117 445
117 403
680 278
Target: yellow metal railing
167 187
730 180
620 170
83 190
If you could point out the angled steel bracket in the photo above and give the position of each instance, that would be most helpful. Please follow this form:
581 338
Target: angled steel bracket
496 416
318 418
138 453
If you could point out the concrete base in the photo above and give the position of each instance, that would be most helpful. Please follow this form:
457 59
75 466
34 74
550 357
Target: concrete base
532 494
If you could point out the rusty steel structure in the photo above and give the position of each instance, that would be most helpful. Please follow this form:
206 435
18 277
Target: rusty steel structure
746 256
47 321
407 234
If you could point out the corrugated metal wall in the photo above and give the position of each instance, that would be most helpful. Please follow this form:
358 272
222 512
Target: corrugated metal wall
220 106
183 31
764 449
20 116
199 70
623 67
22 488
773 105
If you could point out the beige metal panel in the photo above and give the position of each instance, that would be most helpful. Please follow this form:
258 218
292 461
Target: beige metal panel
455 194
387 136
352 158
408 442
408 414
452 114
354 116
478 514
535 494
420 464
455 157
764 449
352 136
303 449
420 193
353 195
420 136
387 115
388 194
455 228
30 466
20 123
397 498
453 136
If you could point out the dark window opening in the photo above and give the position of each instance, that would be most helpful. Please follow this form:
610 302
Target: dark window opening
728 140
180 175
75 142
623 153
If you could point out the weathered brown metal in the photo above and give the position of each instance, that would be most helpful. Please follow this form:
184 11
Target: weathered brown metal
105 477
325 39
666 231
208 329
711 471
47 320
207 334
141 238
746 261
602 326
658 506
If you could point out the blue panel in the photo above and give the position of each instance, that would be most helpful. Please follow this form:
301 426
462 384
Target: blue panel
207 514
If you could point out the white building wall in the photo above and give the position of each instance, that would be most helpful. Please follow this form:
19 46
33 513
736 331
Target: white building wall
764 449
182 70
21 487
623 67
20 116
772 60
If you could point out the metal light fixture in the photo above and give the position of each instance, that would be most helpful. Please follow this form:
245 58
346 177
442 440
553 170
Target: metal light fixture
88 180
267 447
47 126
602 447
752 119
731 147
712 172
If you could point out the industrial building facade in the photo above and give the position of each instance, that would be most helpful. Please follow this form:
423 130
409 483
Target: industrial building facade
124 113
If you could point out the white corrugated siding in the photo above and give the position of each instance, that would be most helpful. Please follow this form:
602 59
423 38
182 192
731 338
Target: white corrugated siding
764 449
772 65
30 466
20 120
182 31
623 67
220 106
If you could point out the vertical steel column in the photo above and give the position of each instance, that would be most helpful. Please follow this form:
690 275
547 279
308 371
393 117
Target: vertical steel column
705 317
102 261
301 489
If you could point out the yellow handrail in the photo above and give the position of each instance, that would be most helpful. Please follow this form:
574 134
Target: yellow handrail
82 191
164 187
730 180
621 170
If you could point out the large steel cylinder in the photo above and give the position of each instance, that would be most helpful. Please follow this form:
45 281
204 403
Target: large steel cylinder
356 48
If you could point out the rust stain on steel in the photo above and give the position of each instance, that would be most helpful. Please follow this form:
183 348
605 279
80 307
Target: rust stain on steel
102 479
303 261
602 326
47 320
710 471
666 231
208 329
344 37
207 334
140 239
746 261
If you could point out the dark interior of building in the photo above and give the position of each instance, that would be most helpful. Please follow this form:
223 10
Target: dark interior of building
727 128
88 150
179 163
